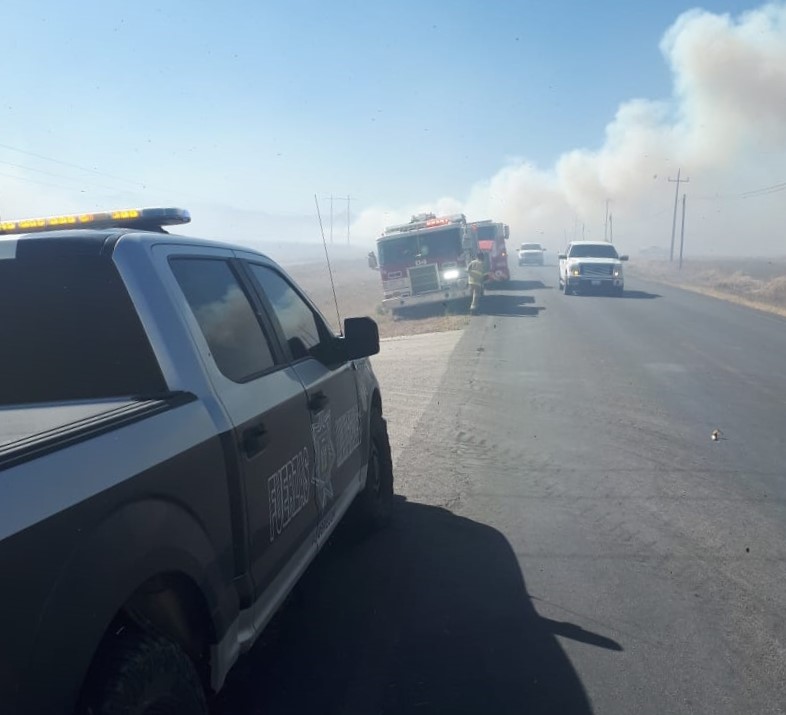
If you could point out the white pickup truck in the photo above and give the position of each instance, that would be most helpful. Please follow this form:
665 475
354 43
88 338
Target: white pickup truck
591 265
531 254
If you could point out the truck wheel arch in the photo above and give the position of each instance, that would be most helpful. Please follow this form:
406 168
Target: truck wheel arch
143 578
171 604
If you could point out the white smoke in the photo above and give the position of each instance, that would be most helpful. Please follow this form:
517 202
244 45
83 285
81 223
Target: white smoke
724 126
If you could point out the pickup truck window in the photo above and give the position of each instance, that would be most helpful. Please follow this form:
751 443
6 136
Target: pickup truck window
300 325
225 316
593 251
69 331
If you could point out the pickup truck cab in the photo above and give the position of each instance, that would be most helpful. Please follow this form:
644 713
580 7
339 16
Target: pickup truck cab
180 433
591 265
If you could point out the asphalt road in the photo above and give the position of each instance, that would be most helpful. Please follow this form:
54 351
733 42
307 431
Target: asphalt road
568 538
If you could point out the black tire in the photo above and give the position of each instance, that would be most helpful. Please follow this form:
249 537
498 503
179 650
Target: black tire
618 291
142 674
565 287
374 505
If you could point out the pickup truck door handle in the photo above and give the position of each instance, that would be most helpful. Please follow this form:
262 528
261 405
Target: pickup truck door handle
317 401
254 440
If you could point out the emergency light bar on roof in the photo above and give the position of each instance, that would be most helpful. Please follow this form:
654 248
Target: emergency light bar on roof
422 221
143 219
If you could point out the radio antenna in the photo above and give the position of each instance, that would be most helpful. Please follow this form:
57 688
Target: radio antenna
330 270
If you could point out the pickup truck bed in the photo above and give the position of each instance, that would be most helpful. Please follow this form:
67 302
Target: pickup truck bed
28 431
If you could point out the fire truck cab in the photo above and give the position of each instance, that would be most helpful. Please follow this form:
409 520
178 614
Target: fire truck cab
425 261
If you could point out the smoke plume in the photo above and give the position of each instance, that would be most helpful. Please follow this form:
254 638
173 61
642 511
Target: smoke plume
724 126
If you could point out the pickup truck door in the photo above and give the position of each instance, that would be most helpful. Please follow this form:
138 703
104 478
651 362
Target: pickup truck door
267 407
331 386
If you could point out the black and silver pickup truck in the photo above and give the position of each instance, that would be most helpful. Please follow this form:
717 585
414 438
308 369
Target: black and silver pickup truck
180 432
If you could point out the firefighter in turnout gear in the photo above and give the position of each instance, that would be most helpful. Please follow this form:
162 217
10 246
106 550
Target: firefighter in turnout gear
477 275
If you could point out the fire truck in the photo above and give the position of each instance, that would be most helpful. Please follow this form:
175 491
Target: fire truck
490 238
425 260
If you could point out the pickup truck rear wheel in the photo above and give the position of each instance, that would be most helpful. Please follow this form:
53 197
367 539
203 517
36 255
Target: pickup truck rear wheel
142 674
374 504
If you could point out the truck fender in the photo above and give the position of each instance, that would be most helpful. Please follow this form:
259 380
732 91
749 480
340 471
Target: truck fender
134 544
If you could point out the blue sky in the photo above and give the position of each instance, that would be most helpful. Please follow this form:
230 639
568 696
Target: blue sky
257 105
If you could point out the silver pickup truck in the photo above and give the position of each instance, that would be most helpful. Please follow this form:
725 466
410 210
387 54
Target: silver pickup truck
180 433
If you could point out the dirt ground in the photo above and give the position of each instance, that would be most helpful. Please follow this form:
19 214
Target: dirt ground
359 293
759 282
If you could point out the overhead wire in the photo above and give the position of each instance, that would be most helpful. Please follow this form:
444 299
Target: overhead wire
71 165
753 193
141 185
56 175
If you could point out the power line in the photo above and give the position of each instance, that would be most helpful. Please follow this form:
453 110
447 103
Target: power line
57 176
72 166
35 181
774 189
753 193
142 187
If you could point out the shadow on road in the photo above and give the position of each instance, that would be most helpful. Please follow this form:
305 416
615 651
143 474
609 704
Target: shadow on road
631 294
428 616
577 633
640 295
433 310
505 305
519 285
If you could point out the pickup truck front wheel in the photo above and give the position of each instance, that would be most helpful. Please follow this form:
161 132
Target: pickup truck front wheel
141 674
374 505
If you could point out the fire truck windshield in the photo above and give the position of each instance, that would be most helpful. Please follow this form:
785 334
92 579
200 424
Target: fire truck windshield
407 248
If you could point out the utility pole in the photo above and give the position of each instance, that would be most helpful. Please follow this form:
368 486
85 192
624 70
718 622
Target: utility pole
682 232
677 181
611 228
332 198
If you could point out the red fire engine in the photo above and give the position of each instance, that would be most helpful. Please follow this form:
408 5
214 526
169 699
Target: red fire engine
490 238
425 260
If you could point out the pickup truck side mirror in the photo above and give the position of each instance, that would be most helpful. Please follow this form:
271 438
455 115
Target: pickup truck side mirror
562 256
623 258
361 338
